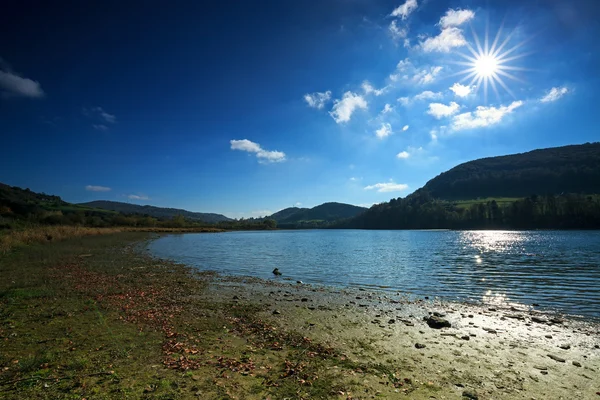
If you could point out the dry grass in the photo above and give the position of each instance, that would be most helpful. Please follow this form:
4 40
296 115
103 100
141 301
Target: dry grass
43 234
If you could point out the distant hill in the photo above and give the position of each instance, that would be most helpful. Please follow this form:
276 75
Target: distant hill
156 212
286 213
568 169
316 217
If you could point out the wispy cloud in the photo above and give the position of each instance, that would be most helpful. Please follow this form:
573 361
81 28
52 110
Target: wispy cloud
343 109
405 128
461 90
483 116
368 89
298 204
317 99
110 118
396 32
384 131
12 84
404 10
263 155
439 110
137 197
406 71
387 109
387 187
94 188
554 94
403 155
100 127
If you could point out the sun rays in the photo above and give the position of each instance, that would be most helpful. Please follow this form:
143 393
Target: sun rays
488 65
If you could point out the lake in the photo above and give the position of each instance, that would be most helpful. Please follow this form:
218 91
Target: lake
559 270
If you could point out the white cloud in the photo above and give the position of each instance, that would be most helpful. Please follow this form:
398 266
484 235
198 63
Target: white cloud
395 32
428 95
456 18
342 109
261 213
92 188
405 9
387 109
15 85
444 42
404 100
434 135
439 110
554 94
354 179
388 187
263 156
137 197
100 127
384 131
298 204
368 89
317 99
405 128
461 90
405 70
483 116
403 155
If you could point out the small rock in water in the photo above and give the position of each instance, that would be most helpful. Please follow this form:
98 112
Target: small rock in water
577 364
470 395
426 297
535 305
420 346
300 282
437 322
556 358
276 272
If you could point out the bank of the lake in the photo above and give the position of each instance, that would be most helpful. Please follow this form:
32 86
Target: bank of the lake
96 317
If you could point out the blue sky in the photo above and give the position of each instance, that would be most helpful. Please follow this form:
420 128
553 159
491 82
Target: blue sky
245 108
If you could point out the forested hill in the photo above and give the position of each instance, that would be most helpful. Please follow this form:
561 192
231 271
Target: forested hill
157 212
316 217
568 169
556 188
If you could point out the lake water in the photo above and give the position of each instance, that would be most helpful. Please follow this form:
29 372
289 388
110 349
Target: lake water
559 270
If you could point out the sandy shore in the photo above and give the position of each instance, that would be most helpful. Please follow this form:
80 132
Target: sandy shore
499 352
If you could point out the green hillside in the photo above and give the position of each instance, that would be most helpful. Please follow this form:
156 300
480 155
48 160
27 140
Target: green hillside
317 217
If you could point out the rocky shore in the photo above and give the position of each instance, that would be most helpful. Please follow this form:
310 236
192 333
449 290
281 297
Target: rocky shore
465 350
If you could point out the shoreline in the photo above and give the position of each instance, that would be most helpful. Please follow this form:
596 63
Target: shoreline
97 317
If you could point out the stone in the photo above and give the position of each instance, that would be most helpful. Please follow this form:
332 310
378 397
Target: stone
304 299
565 346
489 330
276 272
276 312
439 314
556 358
465 337
420 346
577 364
435 322
392 321
470 395
539 320
548 336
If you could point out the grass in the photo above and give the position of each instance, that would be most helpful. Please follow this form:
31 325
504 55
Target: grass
47 233
500 200
91 317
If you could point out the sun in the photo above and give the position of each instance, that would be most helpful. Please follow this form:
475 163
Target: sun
487 65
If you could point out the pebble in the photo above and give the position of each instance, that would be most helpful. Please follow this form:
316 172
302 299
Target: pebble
465 337
565 346
470 395
548 336
276 312
392 321
577 364
544 372
437 322
420 346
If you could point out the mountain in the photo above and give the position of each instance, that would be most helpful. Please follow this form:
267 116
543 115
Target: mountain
568 169
156 212
316 217
555 188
